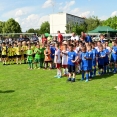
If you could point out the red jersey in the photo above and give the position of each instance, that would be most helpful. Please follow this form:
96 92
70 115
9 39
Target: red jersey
44 40
60 38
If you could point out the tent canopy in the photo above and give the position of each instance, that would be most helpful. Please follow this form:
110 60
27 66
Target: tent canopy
102 29
47 35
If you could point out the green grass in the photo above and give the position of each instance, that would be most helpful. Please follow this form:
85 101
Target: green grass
36 93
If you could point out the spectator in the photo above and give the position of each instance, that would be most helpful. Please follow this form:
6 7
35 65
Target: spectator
60 38
35 38
88 39
74 37
20 39
102 37
44 39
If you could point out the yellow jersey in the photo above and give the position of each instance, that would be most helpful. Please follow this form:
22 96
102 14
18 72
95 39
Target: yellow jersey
24 49
4 50
10 51
33 48
18 50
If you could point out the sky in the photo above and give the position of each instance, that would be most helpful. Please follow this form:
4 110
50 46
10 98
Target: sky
31 13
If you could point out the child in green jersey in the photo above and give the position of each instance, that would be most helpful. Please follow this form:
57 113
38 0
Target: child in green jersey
37 53
30 57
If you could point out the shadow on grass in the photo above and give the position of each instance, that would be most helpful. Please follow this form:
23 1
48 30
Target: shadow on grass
7 91
103 76
100 76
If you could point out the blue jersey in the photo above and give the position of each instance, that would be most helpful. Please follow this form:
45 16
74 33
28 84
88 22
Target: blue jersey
114 53
90 60
101 60
88 39
52 49
106 58
95 52
71 56
84 61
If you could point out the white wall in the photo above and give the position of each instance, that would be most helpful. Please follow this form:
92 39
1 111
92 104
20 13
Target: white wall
57 22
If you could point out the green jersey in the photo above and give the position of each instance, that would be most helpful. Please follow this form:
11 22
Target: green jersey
42 52
37 53
29 54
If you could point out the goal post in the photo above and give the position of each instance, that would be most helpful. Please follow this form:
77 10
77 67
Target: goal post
16 35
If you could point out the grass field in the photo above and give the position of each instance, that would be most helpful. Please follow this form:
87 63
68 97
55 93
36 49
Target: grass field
36 93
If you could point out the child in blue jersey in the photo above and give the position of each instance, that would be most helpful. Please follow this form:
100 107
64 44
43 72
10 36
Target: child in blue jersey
72 58
94 51
84 64
106 59
52 48
88 39
114 56
90 58
101 54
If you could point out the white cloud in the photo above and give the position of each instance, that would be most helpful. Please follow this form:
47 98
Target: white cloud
60 3
85 14
20 13
48 3
103 17
66 8
114 14
31 21
75 11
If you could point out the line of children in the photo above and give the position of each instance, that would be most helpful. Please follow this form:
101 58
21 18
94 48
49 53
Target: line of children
71 56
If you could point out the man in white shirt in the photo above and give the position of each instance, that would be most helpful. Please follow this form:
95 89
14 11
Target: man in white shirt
74 37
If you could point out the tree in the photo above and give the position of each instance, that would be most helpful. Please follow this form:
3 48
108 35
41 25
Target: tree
31 30
89 24
1 26
92 22
112 22
77 29
11 26
45 28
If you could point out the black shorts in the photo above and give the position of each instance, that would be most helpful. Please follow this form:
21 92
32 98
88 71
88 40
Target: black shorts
100 66
4 56
25 55
48 61
33 55
112 61
10 57
71 69
106 63
18 56
14 56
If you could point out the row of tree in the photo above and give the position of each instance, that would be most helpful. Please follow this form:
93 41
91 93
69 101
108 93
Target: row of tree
12 26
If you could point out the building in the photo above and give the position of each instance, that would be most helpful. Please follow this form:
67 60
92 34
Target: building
60 20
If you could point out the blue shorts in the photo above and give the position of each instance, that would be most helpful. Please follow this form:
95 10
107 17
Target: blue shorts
94 63
85 68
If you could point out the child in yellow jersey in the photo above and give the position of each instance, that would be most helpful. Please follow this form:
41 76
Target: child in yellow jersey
4 53
10 54
24 50
14 52
18 53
